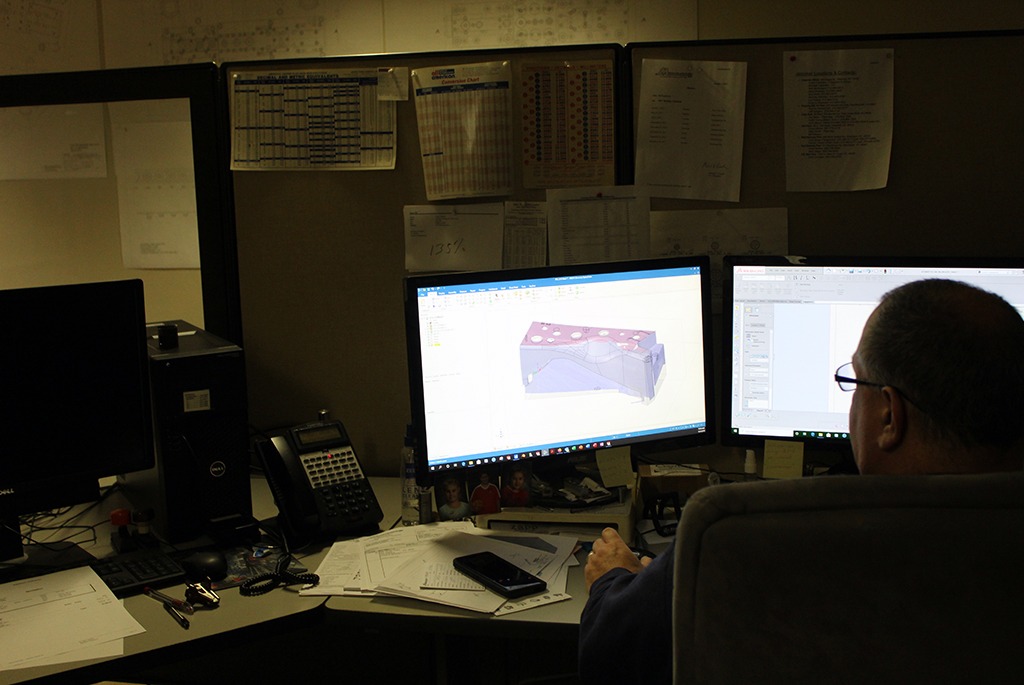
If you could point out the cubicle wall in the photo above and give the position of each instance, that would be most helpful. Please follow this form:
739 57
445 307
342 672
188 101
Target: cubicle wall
957 165
322 257
321 253
63 225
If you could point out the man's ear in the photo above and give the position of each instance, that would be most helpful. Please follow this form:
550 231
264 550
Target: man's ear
894 419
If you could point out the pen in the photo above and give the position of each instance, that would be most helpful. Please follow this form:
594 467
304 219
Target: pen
178 604
181 620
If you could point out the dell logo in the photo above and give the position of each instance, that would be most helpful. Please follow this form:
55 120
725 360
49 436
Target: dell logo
218 469
6 491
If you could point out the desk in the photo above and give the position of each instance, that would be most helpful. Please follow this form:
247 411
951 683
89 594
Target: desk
283 634
237 618
456 645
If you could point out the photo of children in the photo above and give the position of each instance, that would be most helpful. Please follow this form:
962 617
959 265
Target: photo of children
451 499
515 486
485 498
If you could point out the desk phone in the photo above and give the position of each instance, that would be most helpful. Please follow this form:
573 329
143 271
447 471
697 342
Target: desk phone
317 482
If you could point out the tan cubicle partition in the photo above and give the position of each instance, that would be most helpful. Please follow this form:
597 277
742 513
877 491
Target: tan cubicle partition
321 260
957 166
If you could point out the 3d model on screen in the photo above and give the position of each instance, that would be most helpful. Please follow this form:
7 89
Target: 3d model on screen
561 358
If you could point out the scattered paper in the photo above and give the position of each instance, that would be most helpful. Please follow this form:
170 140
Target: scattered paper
57 617
444 576
544 561
355 567
416 562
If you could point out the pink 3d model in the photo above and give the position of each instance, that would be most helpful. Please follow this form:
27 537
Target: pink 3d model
561 358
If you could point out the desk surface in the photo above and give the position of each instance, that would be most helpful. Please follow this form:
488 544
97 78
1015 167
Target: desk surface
560 620
235 613
239 614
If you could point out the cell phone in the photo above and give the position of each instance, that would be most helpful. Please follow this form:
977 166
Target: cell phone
498 574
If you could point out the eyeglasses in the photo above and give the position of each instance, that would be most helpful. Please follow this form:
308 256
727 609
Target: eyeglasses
848 381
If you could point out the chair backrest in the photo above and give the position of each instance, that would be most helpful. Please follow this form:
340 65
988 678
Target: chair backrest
852 579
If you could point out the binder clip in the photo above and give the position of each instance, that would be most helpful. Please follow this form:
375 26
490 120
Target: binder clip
200 596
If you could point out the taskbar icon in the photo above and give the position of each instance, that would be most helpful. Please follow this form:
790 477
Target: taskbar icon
822 435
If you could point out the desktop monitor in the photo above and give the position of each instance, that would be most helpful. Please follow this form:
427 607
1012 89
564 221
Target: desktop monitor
74 395
543 363
790 322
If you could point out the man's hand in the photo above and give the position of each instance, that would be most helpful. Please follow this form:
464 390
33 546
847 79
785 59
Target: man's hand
611 552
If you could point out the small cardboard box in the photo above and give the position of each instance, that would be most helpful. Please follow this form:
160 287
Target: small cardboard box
661 479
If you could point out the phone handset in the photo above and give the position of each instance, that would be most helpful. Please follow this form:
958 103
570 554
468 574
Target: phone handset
317 481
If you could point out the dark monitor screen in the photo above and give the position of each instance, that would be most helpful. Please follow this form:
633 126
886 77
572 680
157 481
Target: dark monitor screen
74 392
538 363
790 322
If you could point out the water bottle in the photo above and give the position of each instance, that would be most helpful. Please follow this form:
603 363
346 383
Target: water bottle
410 490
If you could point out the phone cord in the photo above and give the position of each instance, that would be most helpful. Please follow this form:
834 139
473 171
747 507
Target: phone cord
262 584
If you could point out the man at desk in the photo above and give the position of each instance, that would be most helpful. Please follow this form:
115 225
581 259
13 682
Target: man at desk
918 408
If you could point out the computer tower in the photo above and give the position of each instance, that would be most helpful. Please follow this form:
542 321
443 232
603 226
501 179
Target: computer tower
200 484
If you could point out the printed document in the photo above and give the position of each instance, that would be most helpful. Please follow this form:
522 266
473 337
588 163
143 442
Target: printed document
838 113
59 617
690 130
545 561
568 124
598 224
318 119
453 237
416 562
462 113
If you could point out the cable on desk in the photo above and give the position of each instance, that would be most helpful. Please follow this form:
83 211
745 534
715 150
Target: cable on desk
65 523
260 585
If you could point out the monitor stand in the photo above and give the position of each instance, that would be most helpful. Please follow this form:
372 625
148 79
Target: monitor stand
10 539
17 562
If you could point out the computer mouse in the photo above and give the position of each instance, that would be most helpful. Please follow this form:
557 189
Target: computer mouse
205 564
640 552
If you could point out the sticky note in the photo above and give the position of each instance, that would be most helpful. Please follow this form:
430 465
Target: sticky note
615 466
783 459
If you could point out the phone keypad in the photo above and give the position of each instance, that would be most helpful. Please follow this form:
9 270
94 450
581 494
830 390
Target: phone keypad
342 491
331 466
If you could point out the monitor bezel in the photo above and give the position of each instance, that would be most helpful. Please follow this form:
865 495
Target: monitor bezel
80 485
751 441
650 443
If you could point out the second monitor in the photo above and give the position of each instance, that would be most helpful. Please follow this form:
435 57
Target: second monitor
546 362
790 322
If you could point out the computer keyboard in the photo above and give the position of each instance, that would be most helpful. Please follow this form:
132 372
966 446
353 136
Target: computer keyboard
130 572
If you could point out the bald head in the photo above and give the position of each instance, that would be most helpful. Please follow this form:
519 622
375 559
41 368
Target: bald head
956 353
